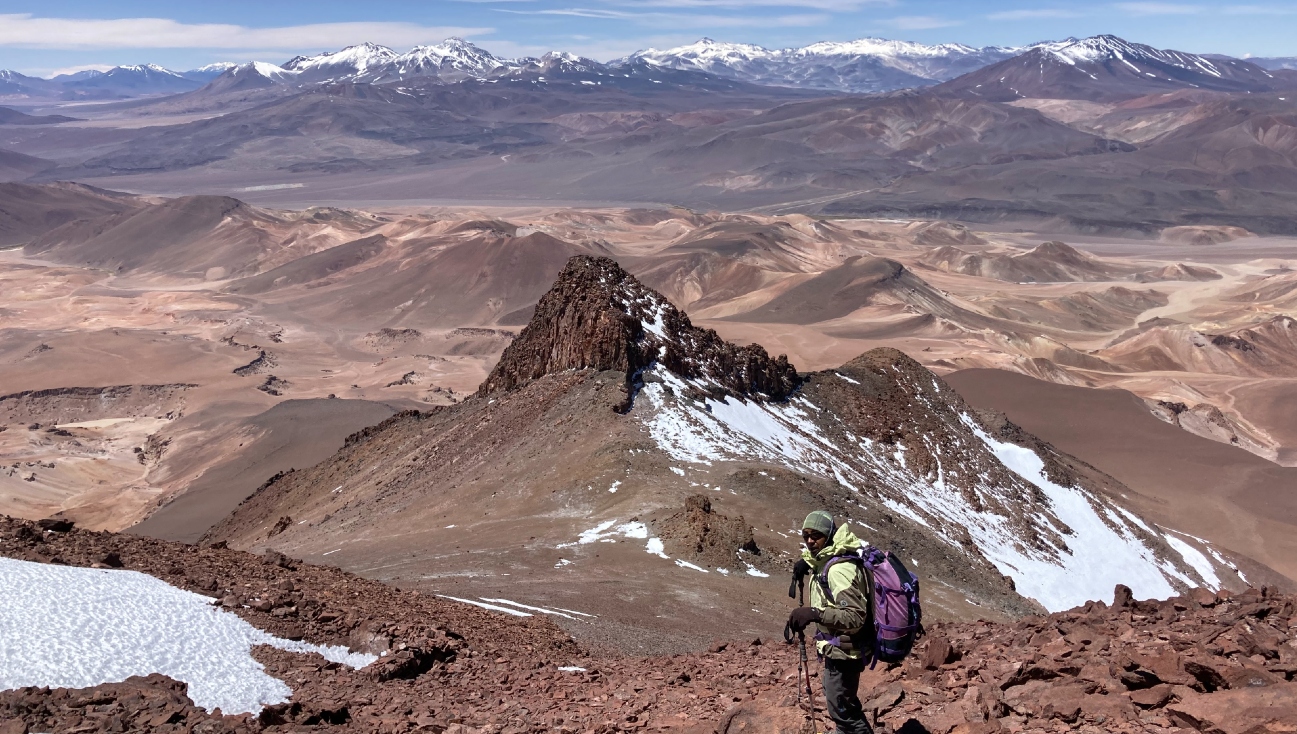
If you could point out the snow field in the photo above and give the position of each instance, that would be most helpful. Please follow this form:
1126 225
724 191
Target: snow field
67 627
1101 551
1097 558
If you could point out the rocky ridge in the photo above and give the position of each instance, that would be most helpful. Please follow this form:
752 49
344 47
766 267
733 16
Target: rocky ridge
598 316
1202 661
1004 517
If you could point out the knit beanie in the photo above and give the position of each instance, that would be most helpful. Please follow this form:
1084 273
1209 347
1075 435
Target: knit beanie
821 522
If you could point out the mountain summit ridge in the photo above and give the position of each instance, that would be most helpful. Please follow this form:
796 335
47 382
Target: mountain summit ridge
598 316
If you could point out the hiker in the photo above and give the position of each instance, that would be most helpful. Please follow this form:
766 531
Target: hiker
846 632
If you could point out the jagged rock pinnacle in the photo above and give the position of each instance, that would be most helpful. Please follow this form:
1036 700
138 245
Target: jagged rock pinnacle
598 316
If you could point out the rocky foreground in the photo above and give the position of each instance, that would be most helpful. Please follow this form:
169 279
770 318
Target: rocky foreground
1205 662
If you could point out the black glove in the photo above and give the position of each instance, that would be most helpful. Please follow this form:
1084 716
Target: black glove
800 570
801 617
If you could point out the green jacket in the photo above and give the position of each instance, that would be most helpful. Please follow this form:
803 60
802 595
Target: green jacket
849 614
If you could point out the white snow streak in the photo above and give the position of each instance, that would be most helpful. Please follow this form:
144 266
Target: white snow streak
1196 560
484 605
528 607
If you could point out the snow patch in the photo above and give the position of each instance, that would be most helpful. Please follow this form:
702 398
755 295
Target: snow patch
655 547
605 531
67 627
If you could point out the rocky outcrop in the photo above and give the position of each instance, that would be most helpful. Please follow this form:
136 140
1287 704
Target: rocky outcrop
700 534
74 404
264 361
597 316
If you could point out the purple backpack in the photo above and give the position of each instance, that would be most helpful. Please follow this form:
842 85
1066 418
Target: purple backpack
898 618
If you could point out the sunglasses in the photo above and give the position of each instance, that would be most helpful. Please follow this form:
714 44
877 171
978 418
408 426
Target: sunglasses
811 535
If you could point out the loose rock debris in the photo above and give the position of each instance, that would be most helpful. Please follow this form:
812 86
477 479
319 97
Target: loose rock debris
1199 662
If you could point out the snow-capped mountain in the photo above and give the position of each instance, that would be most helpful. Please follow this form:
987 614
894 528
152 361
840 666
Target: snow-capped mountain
457 60
137 80
77 76
452 59
209 72
1107 68
348 63
19 86
864 65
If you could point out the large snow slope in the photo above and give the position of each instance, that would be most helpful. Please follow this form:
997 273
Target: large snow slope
67 627
1093 543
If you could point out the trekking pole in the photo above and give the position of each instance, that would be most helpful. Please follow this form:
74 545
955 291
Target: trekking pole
795 592
804 665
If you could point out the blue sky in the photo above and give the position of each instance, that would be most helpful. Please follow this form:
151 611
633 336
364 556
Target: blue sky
59 35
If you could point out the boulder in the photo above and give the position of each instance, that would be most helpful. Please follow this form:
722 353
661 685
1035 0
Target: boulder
1122 597
937 653
763 717
1269 709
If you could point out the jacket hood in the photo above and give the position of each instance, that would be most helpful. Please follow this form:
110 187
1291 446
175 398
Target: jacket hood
844 541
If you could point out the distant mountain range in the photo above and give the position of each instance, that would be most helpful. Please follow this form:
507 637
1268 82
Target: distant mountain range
863 66
119 82
866 65
1288 62
1062 69
1105 68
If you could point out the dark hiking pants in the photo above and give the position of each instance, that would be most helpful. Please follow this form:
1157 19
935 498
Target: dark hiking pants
841 679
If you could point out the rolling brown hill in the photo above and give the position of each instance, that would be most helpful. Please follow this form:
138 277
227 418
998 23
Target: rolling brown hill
856 283
211 237
1049 262
468 276
29 211
1264 349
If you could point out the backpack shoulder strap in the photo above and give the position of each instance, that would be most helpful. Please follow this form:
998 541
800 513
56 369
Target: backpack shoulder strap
823 577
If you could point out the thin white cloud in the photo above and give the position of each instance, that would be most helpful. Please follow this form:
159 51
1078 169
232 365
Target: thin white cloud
1257 10
28 31
921 22
672 20
1147 9
1038 14
830 5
